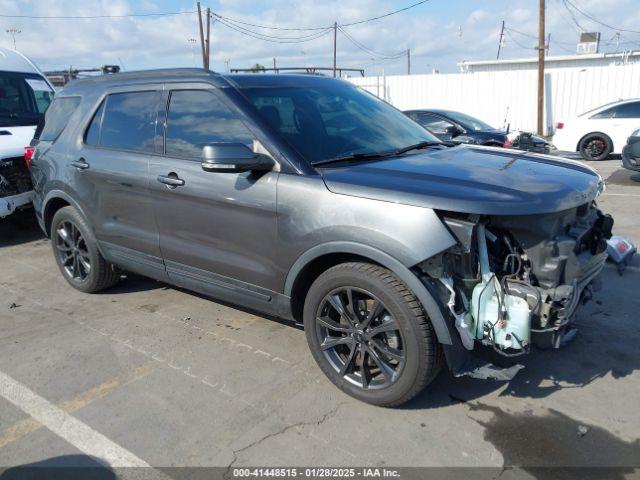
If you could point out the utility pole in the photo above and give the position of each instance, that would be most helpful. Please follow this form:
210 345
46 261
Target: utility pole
335 39
500 41
208 38
408 61
275 68
541 49
204 61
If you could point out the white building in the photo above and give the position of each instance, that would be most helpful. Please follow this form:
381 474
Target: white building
552 63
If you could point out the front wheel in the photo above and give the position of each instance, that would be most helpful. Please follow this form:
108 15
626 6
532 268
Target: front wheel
369 334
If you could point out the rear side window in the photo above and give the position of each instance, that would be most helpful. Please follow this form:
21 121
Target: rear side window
197 118
129 121
56 118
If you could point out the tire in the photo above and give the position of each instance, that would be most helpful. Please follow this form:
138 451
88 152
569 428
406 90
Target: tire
397 341
595 146
84 269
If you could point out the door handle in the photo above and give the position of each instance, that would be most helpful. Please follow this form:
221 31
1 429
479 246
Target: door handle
80 164
171 180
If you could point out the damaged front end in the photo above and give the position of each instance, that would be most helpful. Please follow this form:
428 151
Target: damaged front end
514 281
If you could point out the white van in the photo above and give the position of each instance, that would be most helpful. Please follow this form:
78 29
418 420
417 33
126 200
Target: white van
25 93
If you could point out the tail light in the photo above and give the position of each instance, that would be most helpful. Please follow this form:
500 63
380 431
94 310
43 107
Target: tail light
507 143
560 126
29 152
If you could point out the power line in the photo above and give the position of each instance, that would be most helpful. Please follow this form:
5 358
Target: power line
272 27
594 19
508 32
385 15
273 39
366 49
88 17
573 16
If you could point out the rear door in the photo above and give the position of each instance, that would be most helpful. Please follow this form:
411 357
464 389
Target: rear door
217 229
110 174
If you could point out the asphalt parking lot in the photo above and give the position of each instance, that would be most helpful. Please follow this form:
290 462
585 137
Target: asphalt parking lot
168 378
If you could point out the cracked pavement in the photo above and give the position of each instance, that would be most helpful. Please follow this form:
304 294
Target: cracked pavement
180 380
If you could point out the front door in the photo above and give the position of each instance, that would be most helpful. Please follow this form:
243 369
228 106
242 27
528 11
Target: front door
217 229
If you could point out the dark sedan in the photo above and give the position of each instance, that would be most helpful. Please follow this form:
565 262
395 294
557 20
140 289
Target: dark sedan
449 125
631 152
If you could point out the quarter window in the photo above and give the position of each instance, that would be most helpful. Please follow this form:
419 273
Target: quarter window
57 117
197 118
92 136
129 121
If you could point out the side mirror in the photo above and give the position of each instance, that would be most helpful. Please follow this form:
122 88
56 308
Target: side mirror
453 130
233 157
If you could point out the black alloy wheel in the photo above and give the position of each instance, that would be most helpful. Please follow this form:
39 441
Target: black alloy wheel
76 251
72 251
369 334
360 338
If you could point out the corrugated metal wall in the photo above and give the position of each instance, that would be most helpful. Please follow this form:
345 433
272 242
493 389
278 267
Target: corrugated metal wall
509 97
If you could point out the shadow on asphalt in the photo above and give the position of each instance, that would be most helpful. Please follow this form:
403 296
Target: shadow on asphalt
64 467
20 227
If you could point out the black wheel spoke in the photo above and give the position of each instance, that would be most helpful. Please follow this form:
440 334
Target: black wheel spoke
388 326
351 310
386 369
333 325
376 309
386 350
348 364
332 342
363 368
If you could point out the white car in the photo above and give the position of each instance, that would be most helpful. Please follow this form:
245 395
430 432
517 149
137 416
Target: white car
25 94
599 132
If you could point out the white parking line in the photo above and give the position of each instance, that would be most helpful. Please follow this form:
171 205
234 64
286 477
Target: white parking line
67 427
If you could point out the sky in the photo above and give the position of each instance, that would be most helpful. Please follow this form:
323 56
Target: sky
439 33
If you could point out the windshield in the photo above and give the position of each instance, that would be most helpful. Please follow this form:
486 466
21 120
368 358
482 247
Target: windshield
23 98
335 120
468 122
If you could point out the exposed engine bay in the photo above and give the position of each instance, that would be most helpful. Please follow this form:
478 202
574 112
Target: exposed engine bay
514 281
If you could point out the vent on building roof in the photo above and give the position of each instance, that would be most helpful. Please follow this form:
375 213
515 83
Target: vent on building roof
589 43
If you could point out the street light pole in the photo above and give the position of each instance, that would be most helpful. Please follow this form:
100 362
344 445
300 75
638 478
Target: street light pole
13 32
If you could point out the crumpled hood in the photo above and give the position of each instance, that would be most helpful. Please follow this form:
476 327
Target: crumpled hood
12 144
471 179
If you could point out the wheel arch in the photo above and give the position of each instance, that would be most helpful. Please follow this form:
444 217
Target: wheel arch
54 201
322 257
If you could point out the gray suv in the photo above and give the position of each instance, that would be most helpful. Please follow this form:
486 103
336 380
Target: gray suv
309 199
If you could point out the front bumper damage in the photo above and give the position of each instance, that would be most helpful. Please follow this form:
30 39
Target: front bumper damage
516 281
16 189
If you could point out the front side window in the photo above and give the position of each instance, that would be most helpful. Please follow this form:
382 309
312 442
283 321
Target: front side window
628 110
23 98
129 121
469 122
336 120
57 117
197 118
434 124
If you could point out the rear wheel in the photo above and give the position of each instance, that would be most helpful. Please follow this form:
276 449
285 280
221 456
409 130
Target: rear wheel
369 334
76 252
595 146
